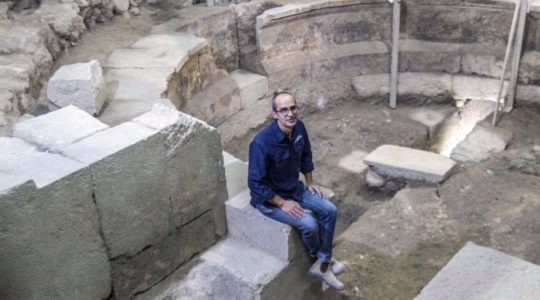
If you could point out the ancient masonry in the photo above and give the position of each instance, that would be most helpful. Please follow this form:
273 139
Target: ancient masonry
121 204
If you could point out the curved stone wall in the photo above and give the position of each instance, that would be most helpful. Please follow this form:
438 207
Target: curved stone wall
319 48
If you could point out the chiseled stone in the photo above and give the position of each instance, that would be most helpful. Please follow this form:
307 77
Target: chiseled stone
51 247
129 185
252 86
481 142
236 172
479 273
138 273
79 84
58 129
396 161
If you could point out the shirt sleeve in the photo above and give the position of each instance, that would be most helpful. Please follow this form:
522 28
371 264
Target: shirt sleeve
257 170
307 158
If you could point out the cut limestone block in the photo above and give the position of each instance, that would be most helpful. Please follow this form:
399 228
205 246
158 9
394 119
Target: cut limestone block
480 273
481 142
252 86
51 246
250 226
236 172
197 186
123 110
58 129
80 84
129 185
396 161
430 116
132 275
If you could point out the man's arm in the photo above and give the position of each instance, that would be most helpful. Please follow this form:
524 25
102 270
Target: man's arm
311 186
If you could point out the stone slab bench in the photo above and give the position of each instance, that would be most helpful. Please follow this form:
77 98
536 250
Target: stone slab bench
402 162
480 273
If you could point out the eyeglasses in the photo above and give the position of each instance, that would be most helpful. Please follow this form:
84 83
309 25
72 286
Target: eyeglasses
286 110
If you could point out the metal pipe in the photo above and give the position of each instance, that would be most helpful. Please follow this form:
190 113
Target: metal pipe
517 56
395 48
506 56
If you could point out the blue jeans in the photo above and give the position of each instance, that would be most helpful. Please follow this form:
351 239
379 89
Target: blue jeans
317 233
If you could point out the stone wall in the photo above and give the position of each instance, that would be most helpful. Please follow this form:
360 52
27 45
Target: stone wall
87 209
34 33
318 48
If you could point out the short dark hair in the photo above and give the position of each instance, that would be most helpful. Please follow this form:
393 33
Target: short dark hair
280 92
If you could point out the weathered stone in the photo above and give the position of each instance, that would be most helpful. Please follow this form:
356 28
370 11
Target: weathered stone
79 84
396 161
476 88
528 94
63 18
252 86
137 214
132 275
58 129
484 140
353 162
236 172
475 273
529 67
138 84
430 116
200 185
248 225
422 56
216 103
121 6
51 247
123 110
373 179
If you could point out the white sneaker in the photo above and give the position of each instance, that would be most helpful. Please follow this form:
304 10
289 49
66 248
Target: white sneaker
337 267
327 277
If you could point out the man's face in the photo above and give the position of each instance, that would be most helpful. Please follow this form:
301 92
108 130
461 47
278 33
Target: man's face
286 111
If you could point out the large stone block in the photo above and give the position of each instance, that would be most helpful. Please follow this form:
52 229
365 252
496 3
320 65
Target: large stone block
236 172
129 186
248 225
194 169
58 129
80 84
135 274
480 273
410 163
484 140
252 86
51 246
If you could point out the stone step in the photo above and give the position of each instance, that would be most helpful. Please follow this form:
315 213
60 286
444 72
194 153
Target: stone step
229 270
236 172
248 225
252 86
480 273
402 162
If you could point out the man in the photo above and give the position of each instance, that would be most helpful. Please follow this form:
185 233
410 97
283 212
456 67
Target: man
276 156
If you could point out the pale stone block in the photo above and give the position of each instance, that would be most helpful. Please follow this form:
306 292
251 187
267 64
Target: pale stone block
236 172
191 44
130 187
58 129
481 273
484 140
252 86
124 110
476 88
248 225
51 247
80 84
143 84
432 117
396 161
353 162
121 5
374 180
197 186
528 93
134 58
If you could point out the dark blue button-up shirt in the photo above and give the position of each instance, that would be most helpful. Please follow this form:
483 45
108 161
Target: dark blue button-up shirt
275 162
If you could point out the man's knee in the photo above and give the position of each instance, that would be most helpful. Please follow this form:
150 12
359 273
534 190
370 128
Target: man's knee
308 226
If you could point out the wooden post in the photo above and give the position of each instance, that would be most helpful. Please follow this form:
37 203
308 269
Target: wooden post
395 52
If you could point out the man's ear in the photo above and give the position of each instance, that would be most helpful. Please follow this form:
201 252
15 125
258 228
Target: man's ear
274 115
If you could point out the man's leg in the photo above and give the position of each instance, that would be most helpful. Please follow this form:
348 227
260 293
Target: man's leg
327 213
307 226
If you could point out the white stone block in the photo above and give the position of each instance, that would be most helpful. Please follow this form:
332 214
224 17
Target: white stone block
353 162
80 84
236 172
480 273
252 86
248 225
124 110
121 5
476 88
58 129
481 142
396 161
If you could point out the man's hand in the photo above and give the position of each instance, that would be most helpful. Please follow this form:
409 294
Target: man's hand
315 189
293 209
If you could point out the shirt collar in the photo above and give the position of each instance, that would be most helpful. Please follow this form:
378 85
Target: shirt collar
280 136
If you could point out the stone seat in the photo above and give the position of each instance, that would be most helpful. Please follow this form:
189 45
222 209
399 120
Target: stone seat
396 161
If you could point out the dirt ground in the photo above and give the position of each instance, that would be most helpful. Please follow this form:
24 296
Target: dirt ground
340 130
